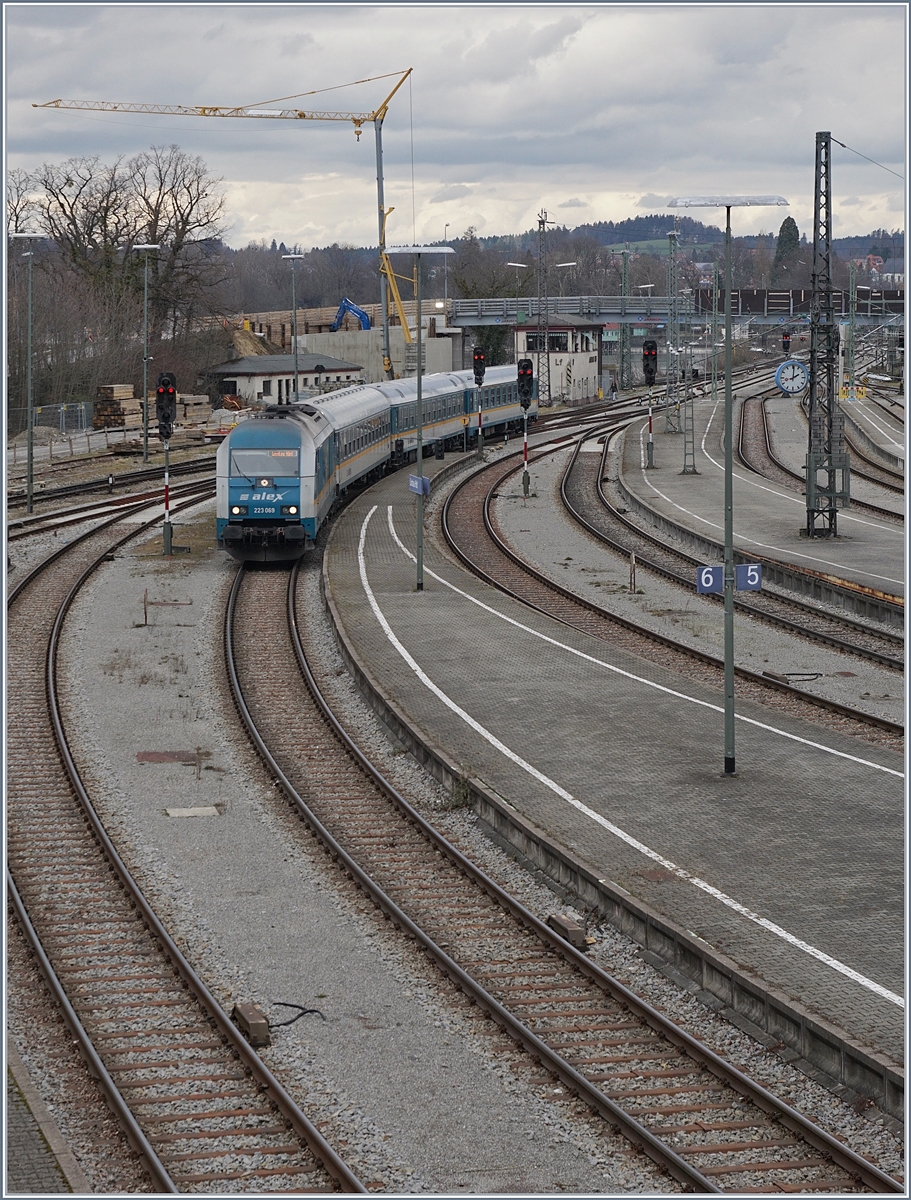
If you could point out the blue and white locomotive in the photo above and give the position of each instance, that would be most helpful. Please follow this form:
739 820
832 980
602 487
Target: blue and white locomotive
279 472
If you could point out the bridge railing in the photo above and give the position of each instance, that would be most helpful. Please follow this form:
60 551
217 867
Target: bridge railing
745 302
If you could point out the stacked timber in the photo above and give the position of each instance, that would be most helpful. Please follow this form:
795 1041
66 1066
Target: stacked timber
115 407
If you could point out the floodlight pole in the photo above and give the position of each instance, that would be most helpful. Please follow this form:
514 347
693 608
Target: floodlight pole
294 260
729 768
29 400
418 251
420 438
727 202
29 395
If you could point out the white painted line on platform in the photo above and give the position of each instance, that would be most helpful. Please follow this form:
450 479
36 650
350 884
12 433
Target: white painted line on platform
658 687
867 416
680 872
752 541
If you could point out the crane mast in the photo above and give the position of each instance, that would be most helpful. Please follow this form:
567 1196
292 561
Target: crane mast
258 111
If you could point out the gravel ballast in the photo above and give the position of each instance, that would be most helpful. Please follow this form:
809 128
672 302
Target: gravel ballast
401 1075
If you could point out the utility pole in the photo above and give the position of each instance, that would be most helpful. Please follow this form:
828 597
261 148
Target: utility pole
689 399
294 261
714 334
626 366
828 464
672 374
145 247
543 351
849 379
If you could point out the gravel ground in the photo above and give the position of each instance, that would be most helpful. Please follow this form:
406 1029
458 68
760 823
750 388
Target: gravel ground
542 532
402 1075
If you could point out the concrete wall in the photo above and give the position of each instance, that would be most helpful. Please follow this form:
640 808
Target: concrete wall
365 347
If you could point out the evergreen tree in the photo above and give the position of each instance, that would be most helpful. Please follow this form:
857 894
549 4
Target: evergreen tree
785 254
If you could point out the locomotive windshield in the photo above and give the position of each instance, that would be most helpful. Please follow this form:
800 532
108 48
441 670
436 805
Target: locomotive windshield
249 463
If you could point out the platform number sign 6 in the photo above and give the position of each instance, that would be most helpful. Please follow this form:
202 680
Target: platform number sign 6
709 579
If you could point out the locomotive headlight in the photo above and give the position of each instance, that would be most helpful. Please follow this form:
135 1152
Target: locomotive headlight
289 510
238 510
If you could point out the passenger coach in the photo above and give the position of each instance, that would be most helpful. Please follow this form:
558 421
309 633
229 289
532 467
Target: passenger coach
280 471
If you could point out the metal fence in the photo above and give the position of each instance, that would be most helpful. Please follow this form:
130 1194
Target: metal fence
65 418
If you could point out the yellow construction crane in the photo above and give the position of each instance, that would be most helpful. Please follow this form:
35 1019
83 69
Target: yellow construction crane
258 111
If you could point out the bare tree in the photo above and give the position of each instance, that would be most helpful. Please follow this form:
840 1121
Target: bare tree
21 207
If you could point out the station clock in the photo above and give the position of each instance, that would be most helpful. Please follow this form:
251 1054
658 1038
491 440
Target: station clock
792 377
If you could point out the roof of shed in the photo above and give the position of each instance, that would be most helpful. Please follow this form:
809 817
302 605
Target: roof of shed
282 364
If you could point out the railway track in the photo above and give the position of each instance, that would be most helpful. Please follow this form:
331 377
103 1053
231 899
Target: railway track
470 532
195 1101
756 453
702 1120
27 527
127 479
585 498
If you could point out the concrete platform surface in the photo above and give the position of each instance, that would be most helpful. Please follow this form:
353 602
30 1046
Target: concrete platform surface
768 518
794 869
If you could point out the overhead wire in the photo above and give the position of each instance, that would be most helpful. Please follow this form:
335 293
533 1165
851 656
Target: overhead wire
869 160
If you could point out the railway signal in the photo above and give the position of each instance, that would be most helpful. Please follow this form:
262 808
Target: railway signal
785 342
650 361
480 366
166 404
526 382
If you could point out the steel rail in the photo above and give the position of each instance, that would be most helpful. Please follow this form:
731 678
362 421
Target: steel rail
552 1061
253 1063
115 1101
63 518
152 473
657 1151
740 605
698 655
799 479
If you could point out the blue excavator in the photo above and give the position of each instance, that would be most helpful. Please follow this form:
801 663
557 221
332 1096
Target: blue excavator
347 307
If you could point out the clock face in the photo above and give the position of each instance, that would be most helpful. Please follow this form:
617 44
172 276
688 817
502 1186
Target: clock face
792 377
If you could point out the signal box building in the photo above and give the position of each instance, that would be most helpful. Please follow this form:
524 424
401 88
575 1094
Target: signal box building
573 354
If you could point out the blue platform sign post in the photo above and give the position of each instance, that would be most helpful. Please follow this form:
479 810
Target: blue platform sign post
419 484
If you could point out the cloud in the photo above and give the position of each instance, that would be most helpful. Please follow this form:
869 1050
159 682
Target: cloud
534 103
650 200
452 192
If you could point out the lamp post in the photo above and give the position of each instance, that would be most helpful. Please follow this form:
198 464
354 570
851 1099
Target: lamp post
519 267
294 258
445 271
728 202
418 251
29 399
145 247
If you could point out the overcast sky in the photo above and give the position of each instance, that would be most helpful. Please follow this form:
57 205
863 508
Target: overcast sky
592 112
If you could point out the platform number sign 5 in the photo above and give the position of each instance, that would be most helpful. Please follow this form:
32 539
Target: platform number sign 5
747 578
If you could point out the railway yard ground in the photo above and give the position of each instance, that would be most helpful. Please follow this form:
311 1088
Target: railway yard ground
758 913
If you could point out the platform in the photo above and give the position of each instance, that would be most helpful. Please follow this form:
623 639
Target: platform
769 519
793 870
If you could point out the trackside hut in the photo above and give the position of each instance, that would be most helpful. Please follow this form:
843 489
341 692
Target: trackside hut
269 378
